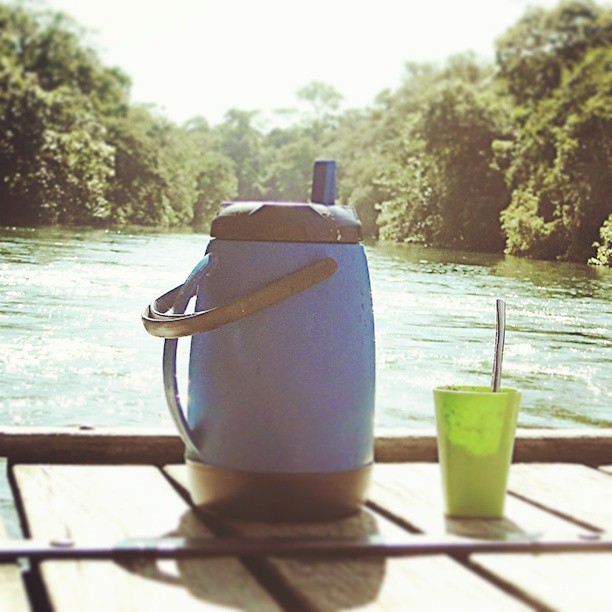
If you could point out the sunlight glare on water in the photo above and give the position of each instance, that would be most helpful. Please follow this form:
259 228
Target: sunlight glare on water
74 352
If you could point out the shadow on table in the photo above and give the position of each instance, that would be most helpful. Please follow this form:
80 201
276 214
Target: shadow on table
298 582
483 529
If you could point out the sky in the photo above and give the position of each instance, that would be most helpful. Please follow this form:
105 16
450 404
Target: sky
204 57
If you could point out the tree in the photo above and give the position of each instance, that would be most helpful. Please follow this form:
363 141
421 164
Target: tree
324 98
49 45
533 55
357 143
441 183
54 162
213 172
215 183
152 184
239 140
459 128
561 166
288 170
603 257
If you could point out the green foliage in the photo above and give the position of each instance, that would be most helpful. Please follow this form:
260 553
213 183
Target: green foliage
557 65
149 186
432 198
323 97
357 143
48 45
434 152
214 174
560 173
362 184
322 117
239 140
216 182
413 191
54 162
533 55
73 151
288 170
603 256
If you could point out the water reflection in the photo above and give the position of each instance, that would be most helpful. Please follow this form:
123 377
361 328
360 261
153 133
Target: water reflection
566 280
435 321
73 350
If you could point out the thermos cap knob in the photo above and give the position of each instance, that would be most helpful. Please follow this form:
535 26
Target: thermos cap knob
321 220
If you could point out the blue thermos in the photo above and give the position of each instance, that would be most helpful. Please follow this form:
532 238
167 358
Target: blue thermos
279 420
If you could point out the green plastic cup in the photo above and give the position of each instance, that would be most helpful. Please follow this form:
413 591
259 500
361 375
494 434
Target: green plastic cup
476 430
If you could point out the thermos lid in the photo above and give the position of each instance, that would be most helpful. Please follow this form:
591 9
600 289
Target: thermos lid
286 222
321 220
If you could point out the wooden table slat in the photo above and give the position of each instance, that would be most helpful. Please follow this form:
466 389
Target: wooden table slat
413 492
577 491
13 595
391 584
566 582
116 502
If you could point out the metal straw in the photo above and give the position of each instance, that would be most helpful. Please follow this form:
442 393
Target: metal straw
500 336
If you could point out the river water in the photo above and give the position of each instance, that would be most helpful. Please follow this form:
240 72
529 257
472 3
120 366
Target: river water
73 350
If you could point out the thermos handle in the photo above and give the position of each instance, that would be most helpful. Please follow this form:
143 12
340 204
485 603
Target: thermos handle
165 318
181 296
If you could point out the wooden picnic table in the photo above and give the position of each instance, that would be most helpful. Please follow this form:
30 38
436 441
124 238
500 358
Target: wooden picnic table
63 493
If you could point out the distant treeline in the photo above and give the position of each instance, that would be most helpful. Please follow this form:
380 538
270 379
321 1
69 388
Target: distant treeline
511 156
